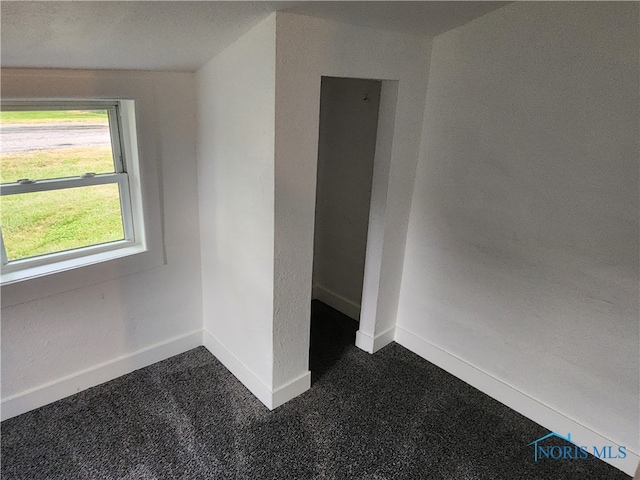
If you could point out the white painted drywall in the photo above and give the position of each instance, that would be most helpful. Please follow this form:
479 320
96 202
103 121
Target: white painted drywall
371 336
307 49
346 148
522 249
66 323
236 101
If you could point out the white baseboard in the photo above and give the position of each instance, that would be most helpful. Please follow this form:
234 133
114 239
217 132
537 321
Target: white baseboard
271 399
373 344
295 387
513 398
237 368
58 389
340 303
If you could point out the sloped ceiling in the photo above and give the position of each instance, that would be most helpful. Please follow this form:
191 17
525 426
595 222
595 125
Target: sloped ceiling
184 35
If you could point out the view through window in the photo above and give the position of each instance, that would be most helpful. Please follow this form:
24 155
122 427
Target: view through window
64 182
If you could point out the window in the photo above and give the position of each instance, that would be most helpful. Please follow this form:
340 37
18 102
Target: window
70 186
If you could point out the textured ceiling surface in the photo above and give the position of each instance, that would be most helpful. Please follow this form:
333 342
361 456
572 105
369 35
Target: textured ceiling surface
184 35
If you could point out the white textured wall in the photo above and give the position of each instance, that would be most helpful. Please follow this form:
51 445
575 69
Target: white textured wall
346 147
65 323
522 248
236 100
308 48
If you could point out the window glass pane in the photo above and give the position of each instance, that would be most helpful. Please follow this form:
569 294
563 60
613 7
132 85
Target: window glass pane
57 220
54 144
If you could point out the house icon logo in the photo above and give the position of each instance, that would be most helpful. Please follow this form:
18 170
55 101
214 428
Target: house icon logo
544 449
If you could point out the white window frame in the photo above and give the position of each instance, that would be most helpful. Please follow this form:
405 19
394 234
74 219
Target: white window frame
126 175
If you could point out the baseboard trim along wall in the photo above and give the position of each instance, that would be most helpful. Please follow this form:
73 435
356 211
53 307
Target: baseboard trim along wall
340 303
371 344
513 398
295 387
271 399
58 389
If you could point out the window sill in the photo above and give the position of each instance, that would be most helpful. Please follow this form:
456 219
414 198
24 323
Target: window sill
46 280
113 251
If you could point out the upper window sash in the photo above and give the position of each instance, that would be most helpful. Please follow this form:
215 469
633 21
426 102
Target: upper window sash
113 111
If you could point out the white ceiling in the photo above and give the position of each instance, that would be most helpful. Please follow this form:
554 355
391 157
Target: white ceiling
184 35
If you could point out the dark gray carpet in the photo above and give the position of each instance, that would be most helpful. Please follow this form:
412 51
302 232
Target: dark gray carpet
391 415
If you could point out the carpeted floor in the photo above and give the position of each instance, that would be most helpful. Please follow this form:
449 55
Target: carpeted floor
391 415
